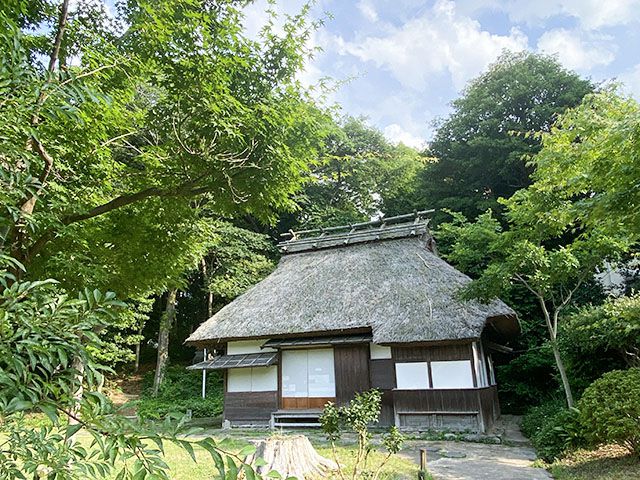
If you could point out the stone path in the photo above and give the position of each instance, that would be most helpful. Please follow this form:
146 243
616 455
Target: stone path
512 460
476 461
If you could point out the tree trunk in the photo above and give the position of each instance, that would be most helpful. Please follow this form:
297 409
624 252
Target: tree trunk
166 321
138 348
552 327
563 373
203 266
292 456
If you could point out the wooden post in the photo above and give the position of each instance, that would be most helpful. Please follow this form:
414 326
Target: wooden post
204 375
422 473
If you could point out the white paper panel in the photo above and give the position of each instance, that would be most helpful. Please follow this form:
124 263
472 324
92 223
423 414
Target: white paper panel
264 379
294 373
452 374
379 352
412 376
239 380
247 346
321 373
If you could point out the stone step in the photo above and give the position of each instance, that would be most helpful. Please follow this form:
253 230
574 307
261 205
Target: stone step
296 425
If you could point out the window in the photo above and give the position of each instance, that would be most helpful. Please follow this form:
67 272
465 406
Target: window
452 374
378 352
412 376
255 379
308 373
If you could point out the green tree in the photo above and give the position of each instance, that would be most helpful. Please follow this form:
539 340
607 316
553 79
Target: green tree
43 333
236 260
610 328
541 257
481 149
180 105
590 162
358 175
131 127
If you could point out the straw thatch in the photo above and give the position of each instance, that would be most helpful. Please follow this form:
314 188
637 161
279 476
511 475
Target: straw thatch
396 287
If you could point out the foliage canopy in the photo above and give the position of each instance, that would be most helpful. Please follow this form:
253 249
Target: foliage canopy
482 148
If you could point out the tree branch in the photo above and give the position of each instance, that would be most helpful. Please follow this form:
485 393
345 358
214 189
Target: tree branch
188 188
28 206
62 25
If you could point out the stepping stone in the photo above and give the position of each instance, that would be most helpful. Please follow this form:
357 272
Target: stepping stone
446 454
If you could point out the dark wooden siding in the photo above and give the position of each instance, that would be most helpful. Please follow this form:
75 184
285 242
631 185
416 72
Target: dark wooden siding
250 406
481 402
383 374
453 400
352 371
387 418
458 351
489 405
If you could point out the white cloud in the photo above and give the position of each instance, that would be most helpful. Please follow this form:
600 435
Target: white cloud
591 14
578 50
631 81
368 10
396 134
438 40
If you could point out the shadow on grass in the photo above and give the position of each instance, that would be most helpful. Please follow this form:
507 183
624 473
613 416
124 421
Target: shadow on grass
610 462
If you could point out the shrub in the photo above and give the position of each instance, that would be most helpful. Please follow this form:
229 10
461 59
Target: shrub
610 410
357 416
181 391
552 428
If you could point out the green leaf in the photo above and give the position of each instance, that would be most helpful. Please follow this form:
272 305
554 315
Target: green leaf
247 450
72 430
50 411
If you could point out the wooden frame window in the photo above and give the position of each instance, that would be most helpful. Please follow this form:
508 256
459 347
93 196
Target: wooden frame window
412 376
254 379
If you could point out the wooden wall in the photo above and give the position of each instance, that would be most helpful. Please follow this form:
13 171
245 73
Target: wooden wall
489 405
436 401
383 374
356 372
481 404
459 351
249 407
352 371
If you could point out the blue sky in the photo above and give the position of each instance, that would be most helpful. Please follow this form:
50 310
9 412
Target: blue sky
408 59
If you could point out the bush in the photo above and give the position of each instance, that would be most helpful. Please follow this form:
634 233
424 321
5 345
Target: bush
357 416
610 410
181 391
553 429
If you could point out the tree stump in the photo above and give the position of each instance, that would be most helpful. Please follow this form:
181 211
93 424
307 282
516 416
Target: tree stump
292 456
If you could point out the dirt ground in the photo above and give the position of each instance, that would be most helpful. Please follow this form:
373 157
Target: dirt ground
126 387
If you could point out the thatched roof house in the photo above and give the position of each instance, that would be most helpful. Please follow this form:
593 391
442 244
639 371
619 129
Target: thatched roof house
376 294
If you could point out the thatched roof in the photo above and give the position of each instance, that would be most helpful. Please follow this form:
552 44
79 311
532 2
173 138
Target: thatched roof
396 287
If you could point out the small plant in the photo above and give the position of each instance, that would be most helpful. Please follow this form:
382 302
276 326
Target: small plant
357 416
553 429
610 410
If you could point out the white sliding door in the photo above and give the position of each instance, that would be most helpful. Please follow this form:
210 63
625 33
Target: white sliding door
321 373
295 382
308 373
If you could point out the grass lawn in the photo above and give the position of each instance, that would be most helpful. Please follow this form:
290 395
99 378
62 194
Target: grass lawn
183 468
607 463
